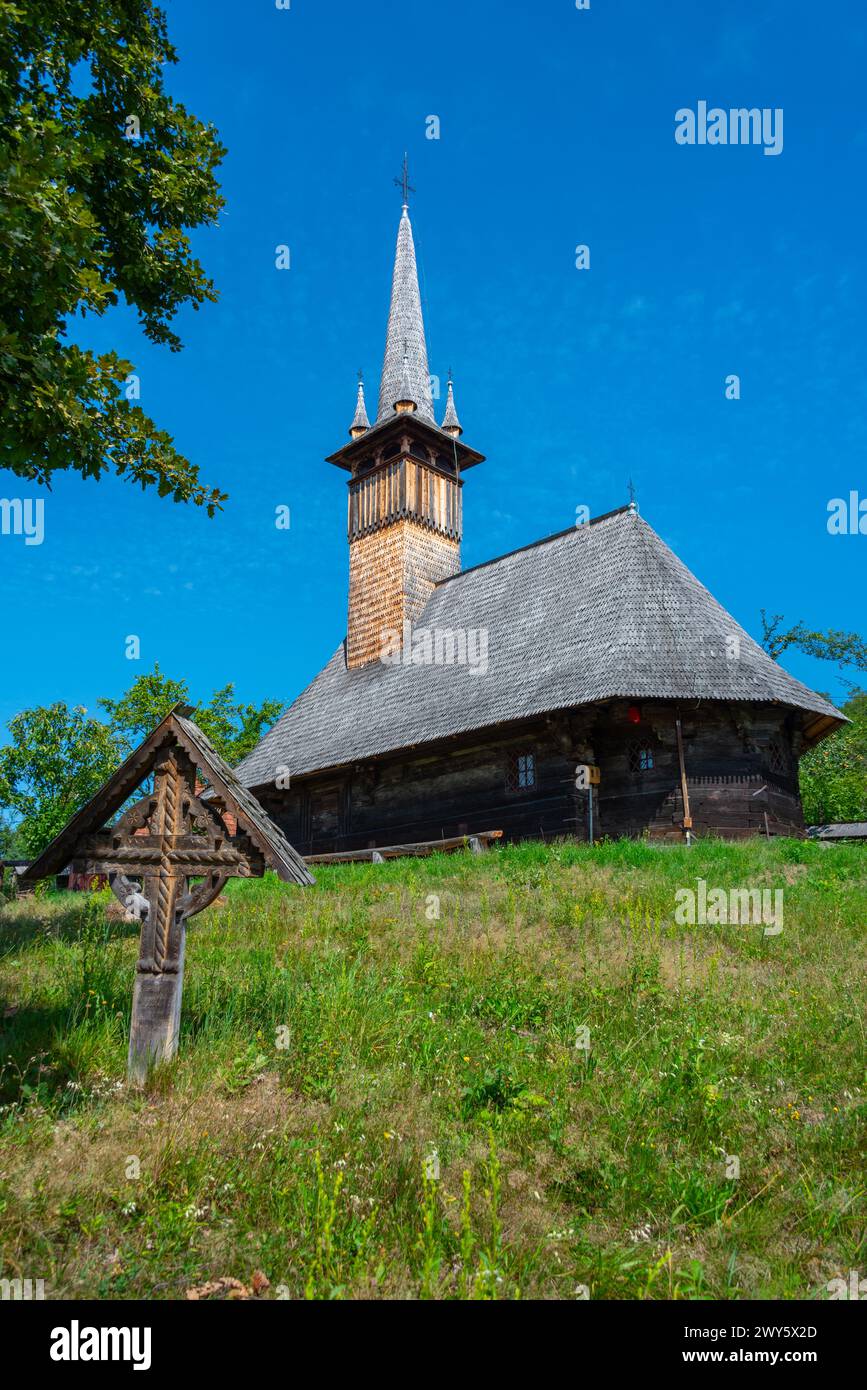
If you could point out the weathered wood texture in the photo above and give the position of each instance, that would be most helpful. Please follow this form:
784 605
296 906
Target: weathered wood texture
740 762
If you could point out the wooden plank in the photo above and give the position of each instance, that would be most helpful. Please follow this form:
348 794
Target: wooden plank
423 847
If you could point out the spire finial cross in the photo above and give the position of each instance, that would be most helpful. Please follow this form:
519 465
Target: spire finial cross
403 182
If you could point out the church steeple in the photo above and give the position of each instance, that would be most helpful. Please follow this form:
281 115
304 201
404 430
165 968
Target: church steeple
405 346
406 478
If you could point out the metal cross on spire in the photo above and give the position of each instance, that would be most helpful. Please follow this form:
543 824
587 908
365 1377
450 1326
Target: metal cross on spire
403 182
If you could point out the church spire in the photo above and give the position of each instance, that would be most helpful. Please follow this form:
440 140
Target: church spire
405 348
360 424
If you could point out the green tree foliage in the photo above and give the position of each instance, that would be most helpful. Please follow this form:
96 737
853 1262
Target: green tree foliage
88 216
9 840
233 729
834 773
59 757
147 701
845 648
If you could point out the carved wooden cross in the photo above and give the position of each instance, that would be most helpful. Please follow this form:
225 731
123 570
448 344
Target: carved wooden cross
167 857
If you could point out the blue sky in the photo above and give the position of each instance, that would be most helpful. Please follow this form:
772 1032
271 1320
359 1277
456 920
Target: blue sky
557 128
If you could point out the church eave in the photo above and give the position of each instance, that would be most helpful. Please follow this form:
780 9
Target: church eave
396 425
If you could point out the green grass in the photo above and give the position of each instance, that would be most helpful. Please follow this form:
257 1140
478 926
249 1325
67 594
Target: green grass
405 1032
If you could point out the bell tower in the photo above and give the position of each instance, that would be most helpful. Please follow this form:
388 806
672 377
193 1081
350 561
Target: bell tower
405 477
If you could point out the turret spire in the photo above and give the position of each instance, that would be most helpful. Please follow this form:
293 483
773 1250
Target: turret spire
405 347
451 424
360 424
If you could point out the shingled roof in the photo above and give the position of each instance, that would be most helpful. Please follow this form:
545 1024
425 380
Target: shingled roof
599 612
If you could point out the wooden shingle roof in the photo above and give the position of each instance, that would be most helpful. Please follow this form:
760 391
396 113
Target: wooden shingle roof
599 612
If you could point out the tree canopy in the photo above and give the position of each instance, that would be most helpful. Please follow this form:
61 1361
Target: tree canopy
832 644
59 756
834 773
233 729
102 174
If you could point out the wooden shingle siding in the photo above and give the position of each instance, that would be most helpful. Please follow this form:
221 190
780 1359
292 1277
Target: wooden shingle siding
392 573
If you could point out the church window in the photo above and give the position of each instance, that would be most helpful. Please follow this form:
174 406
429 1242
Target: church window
777 760
640 758
521 772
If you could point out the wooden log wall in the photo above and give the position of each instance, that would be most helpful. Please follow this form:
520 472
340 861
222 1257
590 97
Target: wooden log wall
461 787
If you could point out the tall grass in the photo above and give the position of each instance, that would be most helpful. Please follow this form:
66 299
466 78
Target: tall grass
334 1038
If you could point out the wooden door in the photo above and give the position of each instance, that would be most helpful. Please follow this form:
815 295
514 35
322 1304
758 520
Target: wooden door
324 819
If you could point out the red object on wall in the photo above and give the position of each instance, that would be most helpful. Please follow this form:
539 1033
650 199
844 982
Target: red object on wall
633 714
86 883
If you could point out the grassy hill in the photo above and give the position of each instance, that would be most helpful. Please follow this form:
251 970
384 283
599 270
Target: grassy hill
333 1038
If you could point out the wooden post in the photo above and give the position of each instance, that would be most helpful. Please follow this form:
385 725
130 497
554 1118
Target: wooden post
684 790
156 1018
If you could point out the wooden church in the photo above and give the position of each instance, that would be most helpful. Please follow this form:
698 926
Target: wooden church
462 701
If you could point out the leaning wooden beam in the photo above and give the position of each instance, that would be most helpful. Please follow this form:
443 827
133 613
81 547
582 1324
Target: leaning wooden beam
476 843
684 787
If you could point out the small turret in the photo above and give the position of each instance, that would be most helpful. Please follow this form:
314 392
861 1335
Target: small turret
360 424
451 424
